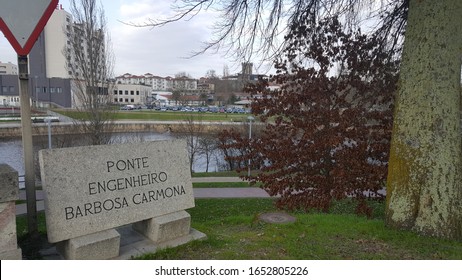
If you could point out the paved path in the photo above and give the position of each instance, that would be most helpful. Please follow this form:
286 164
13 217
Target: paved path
250 192
215 179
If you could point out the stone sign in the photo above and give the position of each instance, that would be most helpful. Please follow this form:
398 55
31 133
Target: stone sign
95 188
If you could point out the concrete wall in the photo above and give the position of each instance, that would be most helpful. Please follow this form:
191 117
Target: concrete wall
68 128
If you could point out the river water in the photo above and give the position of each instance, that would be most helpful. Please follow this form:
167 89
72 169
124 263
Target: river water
11 151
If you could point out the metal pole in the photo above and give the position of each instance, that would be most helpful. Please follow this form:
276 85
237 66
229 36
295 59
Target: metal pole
250 138
48 120
49 134
26 124
34 90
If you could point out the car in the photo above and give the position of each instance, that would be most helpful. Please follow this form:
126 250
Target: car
127 107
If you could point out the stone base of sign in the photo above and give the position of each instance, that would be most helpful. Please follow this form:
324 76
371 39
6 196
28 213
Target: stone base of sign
8 240
9 190
166 227
11 255
140 245
133 244
97 246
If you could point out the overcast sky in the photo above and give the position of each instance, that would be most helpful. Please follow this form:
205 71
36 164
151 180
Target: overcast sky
160 51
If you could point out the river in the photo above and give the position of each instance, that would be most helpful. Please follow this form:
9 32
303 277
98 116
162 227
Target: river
11 151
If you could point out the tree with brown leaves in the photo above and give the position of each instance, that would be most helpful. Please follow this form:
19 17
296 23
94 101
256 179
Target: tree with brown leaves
327 136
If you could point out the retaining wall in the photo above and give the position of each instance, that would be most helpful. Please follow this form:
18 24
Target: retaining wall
158 127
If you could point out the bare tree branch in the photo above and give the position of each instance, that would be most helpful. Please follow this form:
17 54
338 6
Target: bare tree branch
247 29
90 65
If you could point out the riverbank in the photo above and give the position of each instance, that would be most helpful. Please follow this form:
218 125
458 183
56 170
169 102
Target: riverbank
13 130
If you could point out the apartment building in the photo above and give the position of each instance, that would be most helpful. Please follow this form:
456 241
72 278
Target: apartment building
159 83
184 84
49 80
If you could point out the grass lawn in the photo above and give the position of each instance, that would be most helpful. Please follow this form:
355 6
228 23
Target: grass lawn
149 115
234 232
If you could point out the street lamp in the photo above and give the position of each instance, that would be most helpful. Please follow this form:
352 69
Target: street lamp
48 121
250 119
34 91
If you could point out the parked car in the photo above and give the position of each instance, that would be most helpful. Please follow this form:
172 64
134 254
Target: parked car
127 107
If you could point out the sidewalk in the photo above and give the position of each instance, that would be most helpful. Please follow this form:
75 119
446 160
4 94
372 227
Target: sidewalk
250 192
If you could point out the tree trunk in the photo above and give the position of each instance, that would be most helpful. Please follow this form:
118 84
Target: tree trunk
424 187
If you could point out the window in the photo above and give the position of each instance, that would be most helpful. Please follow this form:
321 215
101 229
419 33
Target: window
37 89
4 89
11 88
126 92
52 90
132 92
115 100
137 92
120 92
115 92
59 89
132 100
44 89
126 100
121 100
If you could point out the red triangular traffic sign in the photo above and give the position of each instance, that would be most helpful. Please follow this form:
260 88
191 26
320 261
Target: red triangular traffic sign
22 21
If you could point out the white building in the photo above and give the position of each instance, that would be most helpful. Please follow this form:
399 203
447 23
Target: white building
184 83
159 83
128 94
56 39
8 69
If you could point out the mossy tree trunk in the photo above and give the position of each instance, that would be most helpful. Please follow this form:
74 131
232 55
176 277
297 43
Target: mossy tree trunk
424 185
